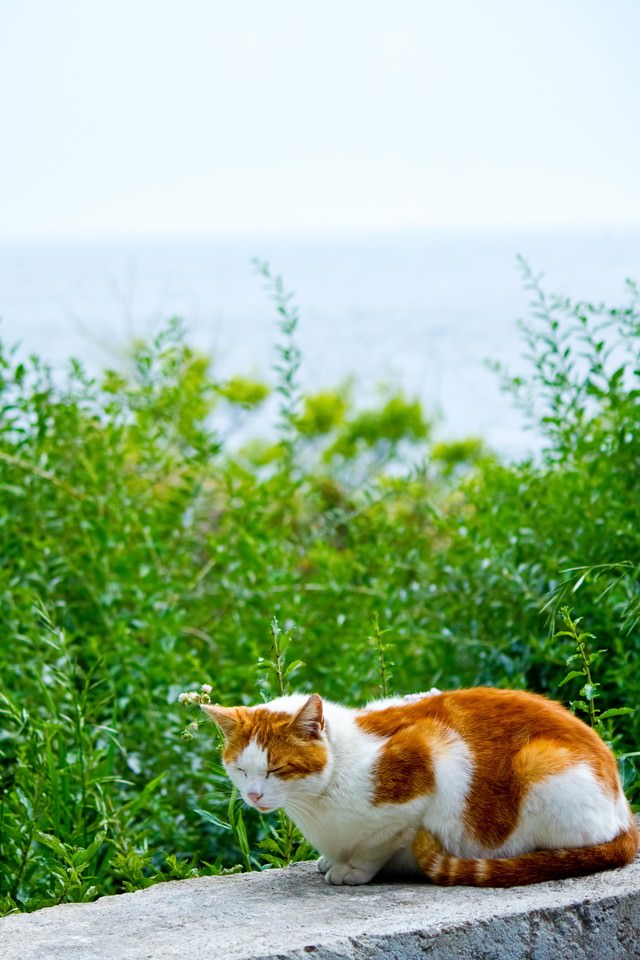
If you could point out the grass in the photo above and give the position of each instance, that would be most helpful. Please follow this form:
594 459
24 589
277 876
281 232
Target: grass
350 554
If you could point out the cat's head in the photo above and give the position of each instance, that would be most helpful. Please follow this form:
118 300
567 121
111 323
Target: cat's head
275 753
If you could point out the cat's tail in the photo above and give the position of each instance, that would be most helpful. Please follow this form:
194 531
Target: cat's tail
442 868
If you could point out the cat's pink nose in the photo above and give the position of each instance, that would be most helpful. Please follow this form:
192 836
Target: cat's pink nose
254 797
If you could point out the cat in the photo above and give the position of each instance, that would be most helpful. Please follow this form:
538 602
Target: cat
482 786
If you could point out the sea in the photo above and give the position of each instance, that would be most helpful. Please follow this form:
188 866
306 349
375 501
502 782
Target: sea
427 312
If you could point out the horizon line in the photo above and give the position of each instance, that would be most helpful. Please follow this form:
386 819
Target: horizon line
307 233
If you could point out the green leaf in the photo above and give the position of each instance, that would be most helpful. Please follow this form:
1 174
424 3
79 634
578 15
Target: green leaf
54 844
84 854
212 818
615 712
571 676
295 665
579 582
595 656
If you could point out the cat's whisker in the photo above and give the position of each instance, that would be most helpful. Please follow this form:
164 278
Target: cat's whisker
297 808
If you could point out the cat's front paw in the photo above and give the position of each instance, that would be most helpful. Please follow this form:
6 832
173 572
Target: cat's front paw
345 873
324 864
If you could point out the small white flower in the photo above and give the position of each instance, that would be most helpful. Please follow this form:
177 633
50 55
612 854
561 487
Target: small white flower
183 698
206 688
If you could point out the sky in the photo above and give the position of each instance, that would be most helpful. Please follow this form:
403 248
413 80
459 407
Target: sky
122 117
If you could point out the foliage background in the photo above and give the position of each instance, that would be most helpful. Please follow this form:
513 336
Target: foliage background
140 553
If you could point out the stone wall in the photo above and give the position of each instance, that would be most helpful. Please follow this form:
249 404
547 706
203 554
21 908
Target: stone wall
292 913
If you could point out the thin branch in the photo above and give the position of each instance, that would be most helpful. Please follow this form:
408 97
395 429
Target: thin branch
39 472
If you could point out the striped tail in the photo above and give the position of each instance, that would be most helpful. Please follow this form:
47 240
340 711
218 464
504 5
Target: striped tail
442 868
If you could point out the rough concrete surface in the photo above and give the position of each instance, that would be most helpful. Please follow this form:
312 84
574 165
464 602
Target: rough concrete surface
292 914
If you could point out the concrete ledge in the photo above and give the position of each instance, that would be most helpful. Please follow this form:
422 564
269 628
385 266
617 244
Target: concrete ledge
292 914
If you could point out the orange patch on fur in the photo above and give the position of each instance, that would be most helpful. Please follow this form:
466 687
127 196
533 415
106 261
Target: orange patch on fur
290 753
542 758
515 739
404 769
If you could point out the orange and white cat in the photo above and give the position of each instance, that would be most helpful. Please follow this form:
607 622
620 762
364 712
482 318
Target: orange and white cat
482 786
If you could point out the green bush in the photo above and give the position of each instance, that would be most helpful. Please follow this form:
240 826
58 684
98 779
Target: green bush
141 553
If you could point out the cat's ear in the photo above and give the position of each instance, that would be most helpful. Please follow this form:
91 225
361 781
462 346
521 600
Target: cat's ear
227 718
309 720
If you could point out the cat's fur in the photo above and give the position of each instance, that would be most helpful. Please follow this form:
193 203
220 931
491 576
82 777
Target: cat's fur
483 786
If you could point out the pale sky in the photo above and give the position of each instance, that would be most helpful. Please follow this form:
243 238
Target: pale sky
199 116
